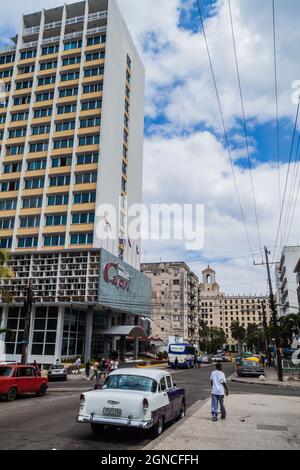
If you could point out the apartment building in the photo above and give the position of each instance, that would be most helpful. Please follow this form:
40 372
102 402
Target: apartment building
71 137
174 309
221 310
286 281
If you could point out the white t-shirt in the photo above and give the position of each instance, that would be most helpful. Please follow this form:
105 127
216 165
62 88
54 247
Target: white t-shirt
218 379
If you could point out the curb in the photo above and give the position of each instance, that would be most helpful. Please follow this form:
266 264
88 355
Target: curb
281 384
163 364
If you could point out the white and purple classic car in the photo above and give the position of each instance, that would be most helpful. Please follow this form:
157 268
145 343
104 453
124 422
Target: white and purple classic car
133 398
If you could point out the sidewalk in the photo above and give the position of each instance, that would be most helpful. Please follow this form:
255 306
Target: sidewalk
271 379
254 422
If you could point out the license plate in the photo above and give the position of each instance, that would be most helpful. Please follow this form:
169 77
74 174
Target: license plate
115 412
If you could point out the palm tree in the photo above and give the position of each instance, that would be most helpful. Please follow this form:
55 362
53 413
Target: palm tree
5 273
238 333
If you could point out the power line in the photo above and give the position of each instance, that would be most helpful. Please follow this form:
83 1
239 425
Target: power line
245 126
224 127
276 100
287 179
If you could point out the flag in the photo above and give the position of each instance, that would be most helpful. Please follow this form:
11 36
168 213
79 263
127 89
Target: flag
137 250
107 223
129 243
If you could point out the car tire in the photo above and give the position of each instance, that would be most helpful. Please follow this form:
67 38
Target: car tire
157 429
12 394
97 428
42 391
182 413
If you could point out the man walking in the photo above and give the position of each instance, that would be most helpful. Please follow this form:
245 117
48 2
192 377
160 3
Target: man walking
219 389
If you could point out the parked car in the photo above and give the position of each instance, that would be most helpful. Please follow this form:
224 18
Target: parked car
250 368
57 372
204 359
16 379
132 398
217 358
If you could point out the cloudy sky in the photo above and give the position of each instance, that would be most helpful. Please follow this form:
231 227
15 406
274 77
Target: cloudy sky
186 160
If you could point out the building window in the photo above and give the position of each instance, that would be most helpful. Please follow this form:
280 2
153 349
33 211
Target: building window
73 45
62 144
82 238
89 105
28 54
93 88
50 50
7 186
58 200
8 204
68 92
71 61
65 126
61 162
6 224
83 218
49 65
69 76
87 159
15 325
56 220
19 117
54 240
5 243
86 178
93 41
15 150
38 147
73 333
17 133
32 202
20 100
35 183
27 242
95 56
41 130
28 222
43 112
44 96
89 140
47 80
33 165
84 198
63 180
92 122
66 109
94 72
44 333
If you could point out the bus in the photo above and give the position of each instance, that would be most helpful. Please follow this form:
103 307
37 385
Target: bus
185 354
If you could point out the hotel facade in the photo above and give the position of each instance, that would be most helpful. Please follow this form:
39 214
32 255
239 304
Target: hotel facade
71 137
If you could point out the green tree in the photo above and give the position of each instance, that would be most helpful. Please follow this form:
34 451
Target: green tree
255 338
5 273
288 325
238 333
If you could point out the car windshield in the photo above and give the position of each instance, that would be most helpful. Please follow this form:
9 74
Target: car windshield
6 371
57 367
131 382
249 364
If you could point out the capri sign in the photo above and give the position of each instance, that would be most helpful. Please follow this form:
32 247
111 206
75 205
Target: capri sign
115 274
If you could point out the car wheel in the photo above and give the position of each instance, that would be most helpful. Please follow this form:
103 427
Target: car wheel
182 413
157 429
12 394
97 428
42 391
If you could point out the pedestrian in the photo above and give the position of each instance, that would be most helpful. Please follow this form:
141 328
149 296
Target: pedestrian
176 363
96 370
36 369
219 389
78 364
87 370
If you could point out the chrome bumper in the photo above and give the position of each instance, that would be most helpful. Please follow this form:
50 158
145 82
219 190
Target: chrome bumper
119 422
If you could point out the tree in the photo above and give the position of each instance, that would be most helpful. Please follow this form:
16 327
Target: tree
289 325
238 333
211 339
5 273
255 338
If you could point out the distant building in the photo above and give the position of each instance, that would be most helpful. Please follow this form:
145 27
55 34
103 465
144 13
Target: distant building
297 272
220 310
175 309
286 281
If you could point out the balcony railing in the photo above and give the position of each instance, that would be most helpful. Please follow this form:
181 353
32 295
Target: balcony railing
58 24
7 48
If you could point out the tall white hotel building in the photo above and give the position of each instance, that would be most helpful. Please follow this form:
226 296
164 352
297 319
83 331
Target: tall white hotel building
71 137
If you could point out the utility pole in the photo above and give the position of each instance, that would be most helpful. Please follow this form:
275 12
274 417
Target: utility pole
274 315
27 310
265 327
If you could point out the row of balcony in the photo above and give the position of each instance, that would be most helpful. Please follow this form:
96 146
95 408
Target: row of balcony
70 21
28 45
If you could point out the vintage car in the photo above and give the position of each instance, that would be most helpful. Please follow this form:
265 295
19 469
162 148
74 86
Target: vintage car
250 368
16 379
133 398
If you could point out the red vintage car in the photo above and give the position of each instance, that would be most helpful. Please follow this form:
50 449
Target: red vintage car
16 379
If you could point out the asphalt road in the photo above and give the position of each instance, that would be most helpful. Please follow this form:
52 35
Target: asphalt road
50 422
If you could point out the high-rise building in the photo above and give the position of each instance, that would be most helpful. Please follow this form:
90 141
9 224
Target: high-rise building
220 310
71 136
174 301
286 281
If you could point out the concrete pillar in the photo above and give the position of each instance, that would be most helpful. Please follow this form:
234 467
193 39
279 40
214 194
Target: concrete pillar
88 335
59 333
136 348
123 348
2 337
